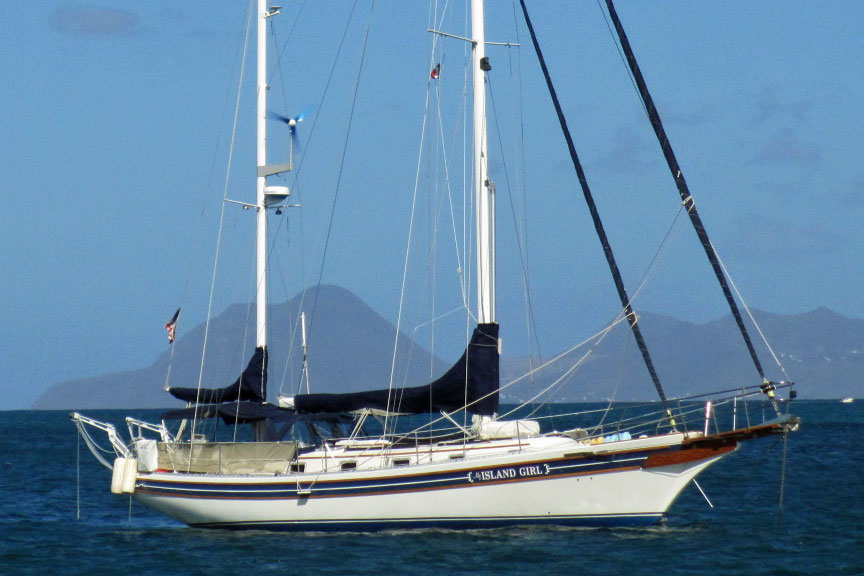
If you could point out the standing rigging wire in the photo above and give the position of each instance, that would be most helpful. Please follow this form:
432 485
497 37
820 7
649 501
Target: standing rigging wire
278 65
273 253
445 162
434 213
424 134
298 168
433 80
459 247
222 217
551 389
519 151
521 242
344 149
408 246
448 184
467 204
250 298
239 56
750 315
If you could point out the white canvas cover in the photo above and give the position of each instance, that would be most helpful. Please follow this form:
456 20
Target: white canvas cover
495 429
148 455
227 457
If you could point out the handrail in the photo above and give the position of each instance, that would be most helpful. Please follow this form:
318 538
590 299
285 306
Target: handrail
160 429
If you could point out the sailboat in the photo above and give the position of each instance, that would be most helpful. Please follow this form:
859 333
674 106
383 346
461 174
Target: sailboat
318 461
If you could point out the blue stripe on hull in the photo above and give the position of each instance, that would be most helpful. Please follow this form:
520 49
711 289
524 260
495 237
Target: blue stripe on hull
600 521
345 487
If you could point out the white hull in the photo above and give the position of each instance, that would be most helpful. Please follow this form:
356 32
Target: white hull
570 484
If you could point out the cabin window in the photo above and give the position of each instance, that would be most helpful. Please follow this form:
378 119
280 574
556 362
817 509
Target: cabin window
298 467
459 456
401 462
349 465
330 429
303 434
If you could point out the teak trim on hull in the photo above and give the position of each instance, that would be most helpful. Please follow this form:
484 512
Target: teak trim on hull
733 437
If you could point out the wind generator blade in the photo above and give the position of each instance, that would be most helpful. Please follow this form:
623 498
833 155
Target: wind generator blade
276 116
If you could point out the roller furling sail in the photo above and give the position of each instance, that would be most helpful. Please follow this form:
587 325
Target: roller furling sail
595 217
681 183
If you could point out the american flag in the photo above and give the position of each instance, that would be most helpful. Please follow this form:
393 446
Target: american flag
169 327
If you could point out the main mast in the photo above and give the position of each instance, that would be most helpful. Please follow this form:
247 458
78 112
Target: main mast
483 192
261 181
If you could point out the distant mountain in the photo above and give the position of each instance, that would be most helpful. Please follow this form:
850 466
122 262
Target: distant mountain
822 351
349 343
352 349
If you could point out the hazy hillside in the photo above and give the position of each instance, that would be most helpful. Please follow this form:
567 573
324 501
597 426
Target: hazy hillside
349 343
822 351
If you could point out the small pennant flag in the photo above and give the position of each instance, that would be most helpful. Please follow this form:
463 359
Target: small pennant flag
436 72
169 327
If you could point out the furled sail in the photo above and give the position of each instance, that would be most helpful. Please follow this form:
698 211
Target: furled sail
681 184
472 382
250 386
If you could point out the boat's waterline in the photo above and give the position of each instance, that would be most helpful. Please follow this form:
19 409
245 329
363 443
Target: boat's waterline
453 523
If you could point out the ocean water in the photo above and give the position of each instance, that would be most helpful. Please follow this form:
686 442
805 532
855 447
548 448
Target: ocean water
57 516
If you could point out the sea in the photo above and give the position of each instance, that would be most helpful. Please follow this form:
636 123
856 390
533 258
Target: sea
57 516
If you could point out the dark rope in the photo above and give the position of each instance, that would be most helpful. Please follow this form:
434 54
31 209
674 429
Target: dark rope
595 216
782 476
683 190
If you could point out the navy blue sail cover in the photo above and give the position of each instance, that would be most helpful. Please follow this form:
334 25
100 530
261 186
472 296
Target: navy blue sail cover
472 381
249 412
250 386
233 413
278 423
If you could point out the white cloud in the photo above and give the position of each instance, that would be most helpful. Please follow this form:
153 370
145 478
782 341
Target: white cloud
94 21
786 147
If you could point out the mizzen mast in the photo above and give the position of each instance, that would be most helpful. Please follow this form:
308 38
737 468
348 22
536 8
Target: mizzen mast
262 198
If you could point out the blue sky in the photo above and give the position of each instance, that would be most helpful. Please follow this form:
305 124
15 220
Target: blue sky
117 119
